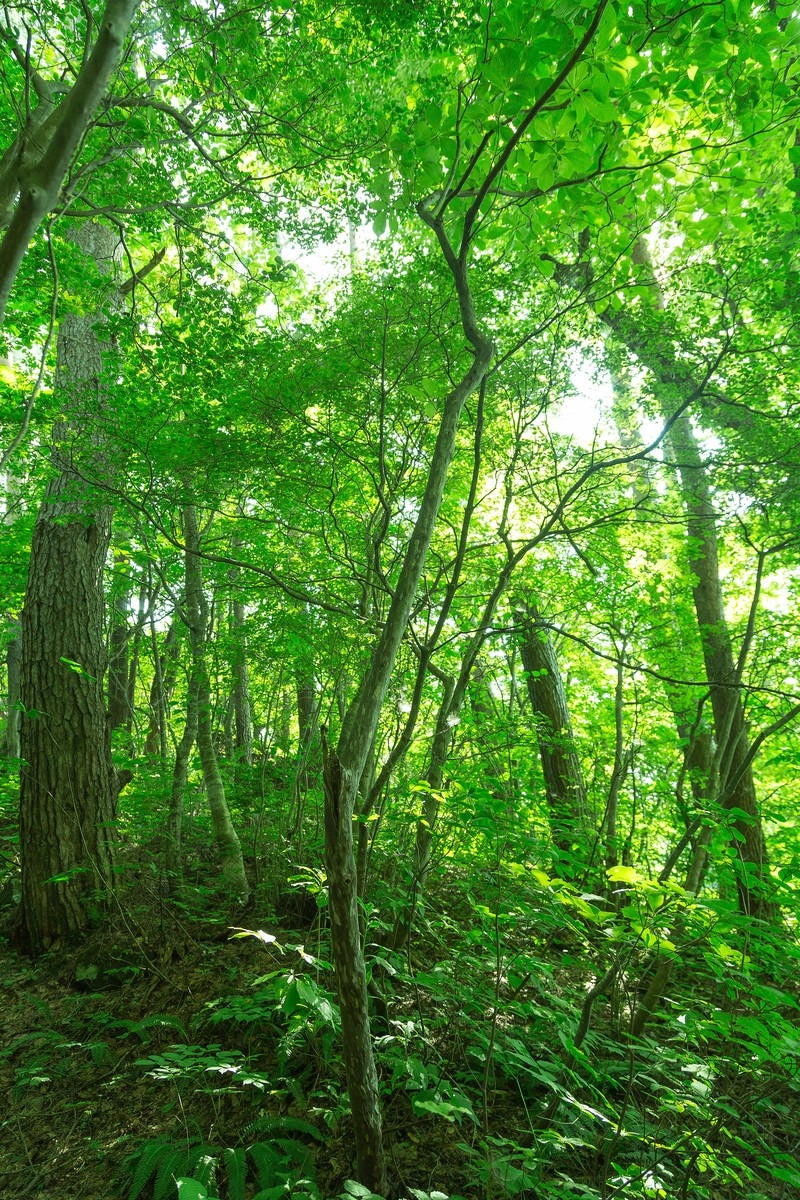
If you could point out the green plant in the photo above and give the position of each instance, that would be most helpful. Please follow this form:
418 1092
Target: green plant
280 1165
301 1008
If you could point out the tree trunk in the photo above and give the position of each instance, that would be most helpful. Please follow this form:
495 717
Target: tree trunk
308 727
343 767
225 836
180 774
68 786
696 740
242 712
673 381
118 657
449 707
736 784
165 676
563 778
39 163
11 747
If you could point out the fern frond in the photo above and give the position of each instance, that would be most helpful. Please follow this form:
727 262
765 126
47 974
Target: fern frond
170 1166
159 1021
203 1163
235 1161
265 1161
292 1151
278 1125
147 1164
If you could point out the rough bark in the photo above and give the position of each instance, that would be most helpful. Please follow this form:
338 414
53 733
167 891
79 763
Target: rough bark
68 786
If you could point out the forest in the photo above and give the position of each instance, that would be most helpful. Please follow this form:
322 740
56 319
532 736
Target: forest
399 569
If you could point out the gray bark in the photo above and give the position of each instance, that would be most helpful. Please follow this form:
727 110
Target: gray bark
225 836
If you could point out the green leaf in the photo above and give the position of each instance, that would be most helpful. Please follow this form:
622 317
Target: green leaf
623 874
352 1188
601 110
190 1189
77 668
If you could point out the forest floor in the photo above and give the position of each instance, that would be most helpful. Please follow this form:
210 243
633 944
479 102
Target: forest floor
166 1046
115 1047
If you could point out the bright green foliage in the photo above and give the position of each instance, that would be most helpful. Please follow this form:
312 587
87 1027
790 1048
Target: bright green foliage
617 188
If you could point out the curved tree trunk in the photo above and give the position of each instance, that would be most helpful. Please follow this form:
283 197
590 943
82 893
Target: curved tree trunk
33 168
343 767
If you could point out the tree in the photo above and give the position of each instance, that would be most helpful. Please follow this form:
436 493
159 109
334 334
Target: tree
227 841
34 165
736 788
563 776
335 483
69 786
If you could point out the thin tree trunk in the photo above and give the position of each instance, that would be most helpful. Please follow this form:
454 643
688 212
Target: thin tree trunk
225 836
673 381
118 656
736 784
180 774
11 746
242 710
563 777
343 767
133 665
165 675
